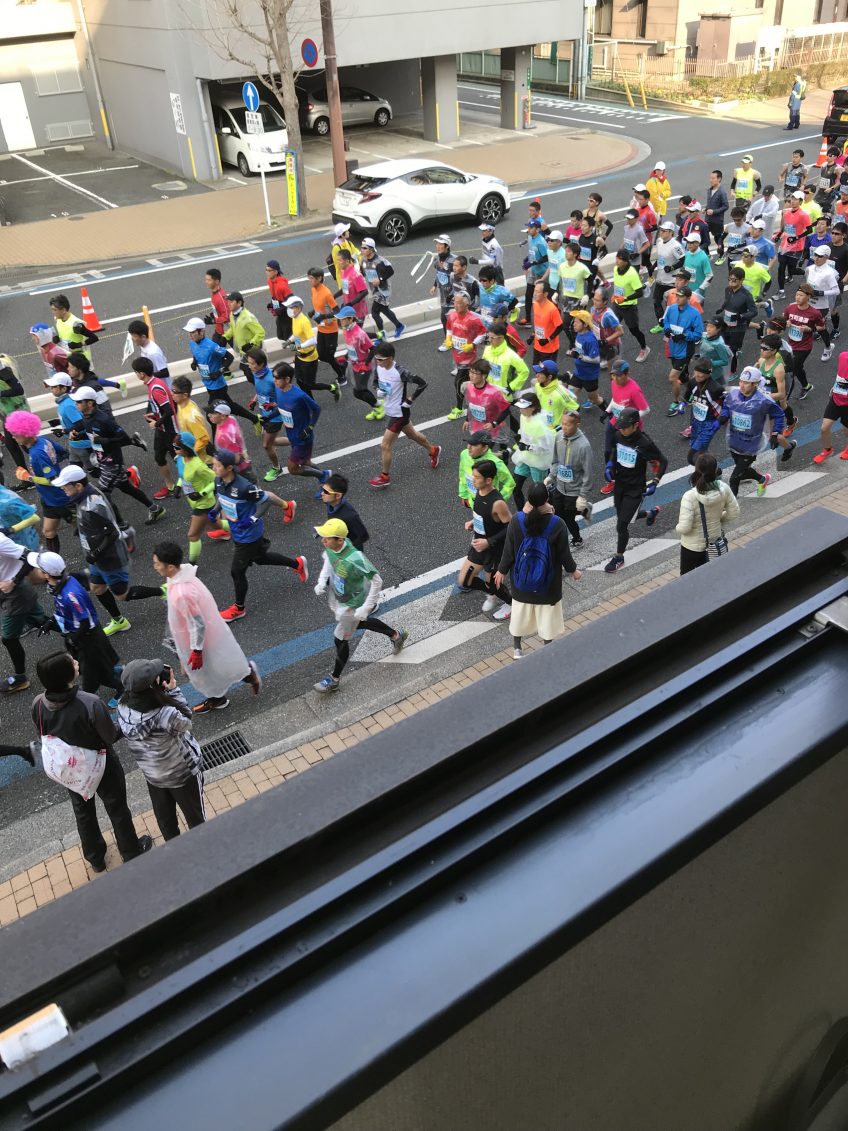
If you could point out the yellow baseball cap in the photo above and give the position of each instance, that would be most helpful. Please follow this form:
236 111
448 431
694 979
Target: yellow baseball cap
332 528
583 315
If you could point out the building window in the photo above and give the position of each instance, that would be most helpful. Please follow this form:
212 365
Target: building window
642 19
603 17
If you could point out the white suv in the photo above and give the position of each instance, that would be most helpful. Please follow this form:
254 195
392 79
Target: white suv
393 197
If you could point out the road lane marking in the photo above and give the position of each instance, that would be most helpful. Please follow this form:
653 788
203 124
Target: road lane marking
101 200
770 145
432 646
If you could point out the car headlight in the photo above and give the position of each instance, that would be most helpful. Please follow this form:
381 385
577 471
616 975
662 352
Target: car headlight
262 147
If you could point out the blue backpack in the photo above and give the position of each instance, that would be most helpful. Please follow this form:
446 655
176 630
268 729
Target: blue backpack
533 569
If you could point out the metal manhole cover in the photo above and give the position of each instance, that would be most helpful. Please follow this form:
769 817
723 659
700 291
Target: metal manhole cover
225 749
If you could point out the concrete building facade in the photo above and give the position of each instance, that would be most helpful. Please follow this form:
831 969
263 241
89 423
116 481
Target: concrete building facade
159 66
43 97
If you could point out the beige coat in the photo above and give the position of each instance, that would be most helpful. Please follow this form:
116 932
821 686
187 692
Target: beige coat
720 507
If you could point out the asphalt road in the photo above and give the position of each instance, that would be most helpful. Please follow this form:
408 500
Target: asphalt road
416 525
172 287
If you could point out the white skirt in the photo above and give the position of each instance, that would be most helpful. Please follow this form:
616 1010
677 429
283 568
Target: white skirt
542 620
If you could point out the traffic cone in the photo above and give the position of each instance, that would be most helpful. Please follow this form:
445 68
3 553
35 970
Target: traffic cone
822 157
89 315
145 314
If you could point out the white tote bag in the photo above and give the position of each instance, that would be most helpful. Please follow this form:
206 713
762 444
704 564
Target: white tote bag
75 767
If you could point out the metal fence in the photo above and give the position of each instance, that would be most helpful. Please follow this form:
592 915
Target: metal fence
547 67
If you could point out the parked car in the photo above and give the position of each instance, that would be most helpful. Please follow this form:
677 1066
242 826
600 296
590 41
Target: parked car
252 153
359 107
835 125
393 197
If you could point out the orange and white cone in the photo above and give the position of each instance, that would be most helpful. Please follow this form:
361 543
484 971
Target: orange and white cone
89 315
822 157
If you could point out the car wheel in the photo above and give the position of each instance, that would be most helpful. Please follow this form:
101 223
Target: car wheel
491 209
393 229
382 117
322 126
243 166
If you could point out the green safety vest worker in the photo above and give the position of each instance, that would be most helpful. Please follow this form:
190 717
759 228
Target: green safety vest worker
745 182
73 340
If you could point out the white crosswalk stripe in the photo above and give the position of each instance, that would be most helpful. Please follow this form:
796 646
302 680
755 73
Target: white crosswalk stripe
595 109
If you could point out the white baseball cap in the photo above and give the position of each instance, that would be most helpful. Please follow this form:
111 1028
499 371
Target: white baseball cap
555 235
52 564
58 380
72 473
368 242
194 324
340 229
693 237
752 374
660 165
293 300
442 239
797 193
668 226
693 206
486 227
822 249
84 393
749 249
640 188
759 223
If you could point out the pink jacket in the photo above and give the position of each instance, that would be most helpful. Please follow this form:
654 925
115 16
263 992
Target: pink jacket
483 407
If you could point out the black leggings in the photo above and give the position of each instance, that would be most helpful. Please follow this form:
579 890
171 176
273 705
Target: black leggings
326 346
787 266
459 380
361 390
378 309
658 294
743 469
246 556
304 372
565 507
371 624
16 654
629 315
165 799
734 340
691 559
627 506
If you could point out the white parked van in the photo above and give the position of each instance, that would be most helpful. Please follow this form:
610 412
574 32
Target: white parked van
252 153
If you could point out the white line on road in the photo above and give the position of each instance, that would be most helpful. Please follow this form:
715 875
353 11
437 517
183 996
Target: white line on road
644 551
193 302
63 181
81 173
541 114
440 642
770 145
550 192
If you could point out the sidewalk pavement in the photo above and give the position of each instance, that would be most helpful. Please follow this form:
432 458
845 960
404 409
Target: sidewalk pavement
62 872
775 111
233 213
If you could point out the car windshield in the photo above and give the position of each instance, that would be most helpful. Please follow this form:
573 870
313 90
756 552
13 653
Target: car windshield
840 99
271 120
363 184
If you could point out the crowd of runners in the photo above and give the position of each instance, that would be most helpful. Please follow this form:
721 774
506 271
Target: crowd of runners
734 286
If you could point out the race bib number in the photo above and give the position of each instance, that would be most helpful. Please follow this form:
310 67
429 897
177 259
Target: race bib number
549 418
459 343
795 333
351 353
372 276
789 229
477 525
629 245
345 286
675 329
229 508
442 278
741 421
338 585
494 371
699 411
385 387
618 290
625 456
539 331
736 240
730 318
203 370
565 473
288 419
585 253
569 286
478 412
469 483
840 386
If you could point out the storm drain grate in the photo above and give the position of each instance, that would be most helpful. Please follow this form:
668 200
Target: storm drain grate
222 750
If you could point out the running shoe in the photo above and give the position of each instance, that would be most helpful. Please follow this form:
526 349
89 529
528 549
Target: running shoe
642 355
381 480
399 330
336 392
608 488
234 612
154 514
322 479
587 405
122 385
328 683
219 535
302 568
517 654
211 704
658 329
761 487
503 612
138 442
272 473
289 512
133 475
675 409
376 413
806 390
827 354
343 381
719 261
13 683
686 434
116 624
253 679
834 336
491 603
826 453
435 455
576 543
399 641
844 454
614 564
454 371
790 428
787 452
456 414
768 307
163 493
652 516
444 347
781 294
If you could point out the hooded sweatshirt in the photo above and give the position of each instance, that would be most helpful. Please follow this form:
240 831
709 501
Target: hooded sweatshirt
571 467
161 741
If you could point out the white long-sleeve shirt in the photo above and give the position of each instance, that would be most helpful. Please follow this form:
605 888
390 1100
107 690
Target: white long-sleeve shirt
824 279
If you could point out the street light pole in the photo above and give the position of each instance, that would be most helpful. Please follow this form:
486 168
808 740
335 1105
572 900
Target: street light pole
334 102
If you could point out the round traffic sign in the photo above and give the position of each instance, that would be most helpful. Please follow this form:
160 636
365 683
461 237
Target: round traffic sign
309 52
250 96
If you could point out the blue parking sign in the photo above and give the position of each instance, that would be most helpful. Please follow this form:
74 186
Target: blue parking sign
250 96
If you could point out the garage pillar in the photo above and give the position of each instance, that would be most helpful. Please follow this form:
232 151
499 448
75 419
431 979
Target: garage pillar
515 85
439 98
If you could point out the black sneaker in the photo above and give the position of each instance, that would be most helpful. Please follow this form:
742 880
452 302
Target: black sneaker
576 542
13 683
806 390
138 442
97 865
787 452
154 514
145 843
210 704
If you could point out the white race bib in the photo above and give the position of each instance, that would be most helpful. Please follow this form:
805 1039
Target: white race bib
741 421
699 411
625 456
288 419
795 333
565 473
477 525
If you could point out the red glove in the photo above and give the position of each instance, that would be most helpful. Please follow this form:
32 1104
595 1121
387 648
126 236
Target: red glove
195 660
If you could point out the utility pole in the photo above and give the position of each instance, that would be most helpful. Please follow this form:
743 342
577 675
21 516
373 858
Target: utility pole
331 75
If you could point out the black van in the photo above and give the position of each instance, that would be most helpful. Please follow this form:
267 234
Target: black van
835 125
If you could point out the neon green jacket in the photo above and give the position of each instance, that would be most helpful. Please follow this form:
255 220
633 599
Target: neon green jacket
504 483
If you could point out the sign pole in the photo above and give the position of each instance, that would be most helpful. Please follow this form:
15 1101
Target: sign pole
265 198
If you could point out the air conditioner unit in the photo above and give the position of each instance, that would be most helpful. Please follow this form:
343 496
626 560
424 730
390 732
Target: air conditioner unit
661 47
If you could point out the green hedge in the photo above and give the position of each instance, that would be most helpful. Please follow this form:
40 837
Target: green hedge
769 84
